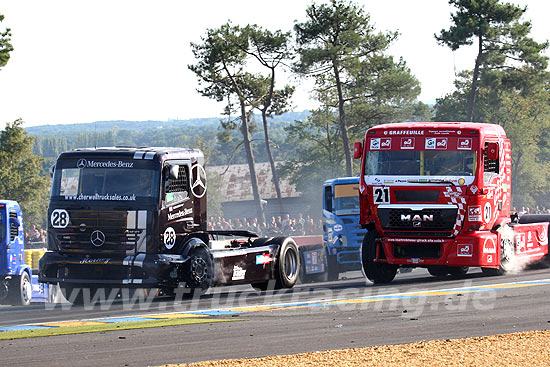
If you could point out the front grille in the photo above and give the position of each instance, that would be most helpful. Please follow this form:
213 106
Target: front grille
418 196
427 219
424 251
417 234
99 272
113 225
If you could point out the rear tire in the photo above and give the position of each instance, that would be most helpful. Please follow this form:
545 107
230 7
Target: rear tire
333 268
311 278
376 272
287 267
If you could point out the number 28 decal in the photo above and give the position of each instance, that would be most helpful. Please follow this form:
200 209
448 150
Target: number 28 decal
59 218
381 195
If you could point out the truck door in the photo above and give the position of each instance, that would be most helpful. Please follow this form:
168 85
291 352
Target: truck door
176 215
492 182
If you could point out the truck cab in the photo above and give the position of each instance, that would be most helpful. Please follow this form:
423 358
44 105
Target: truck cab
342 233
135 217
438 195
15 275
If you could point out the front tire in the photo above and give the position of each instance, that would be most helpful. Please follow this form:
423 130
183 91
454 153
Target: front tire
438 271
458 271
198 272
376 272
20 290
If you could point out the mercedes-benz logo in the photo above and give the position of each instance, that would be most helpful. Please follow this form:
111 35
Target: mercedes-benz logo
97 238
198 188
81 163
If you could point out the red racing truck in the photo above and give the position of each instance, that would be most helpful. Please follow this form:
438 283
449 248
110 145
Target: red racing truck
437 195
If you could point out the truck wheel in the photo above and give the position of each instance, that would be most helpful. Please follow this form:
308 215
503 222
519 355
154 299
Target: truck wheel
438 270
311 278
374 271
333 268
507 253
198 272
458 271
20 290
287 266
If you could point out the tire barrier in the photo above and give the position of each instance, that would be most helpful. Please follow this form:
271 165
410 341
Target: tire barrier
33 256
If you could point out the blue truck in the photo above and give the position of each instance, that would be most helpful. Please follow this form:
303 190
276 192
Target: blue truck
342 234
18 285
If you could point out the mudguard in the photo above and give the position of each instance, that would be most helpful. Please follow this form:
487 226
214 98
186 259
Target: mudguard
21 268
192 244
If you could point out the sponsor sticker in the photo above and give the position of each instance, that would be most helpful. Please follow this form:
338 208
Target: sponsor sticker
84 163
263 259
95 261
474 213
436 143
407 143
520 242
465 249
238 273
464 144
180 214
404 132
489 246
380 144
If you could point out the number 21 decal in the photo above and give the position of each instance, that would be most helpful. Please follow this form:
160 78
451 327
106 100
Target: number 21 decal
381 195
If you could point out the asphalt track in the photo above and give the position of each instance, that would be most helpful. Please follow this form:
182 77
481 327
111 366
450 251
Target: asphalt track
319 316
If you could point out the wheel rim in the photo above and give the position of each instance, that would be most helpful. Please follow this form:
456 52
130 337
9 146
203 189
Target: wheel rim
199 269
26 290
291 264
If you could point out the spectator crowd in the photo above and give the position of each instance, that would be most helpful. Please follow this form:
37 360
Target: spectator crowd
526 210
276 226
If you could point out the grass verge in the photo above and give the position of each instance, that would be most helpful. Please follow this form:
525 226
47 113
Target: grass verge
68 330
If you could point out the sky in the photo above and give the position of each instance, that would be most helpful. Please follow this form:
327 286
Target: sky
103 60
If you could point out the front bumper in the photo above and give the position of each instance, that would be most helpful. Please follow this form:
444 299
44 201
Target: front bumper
141 270
475 249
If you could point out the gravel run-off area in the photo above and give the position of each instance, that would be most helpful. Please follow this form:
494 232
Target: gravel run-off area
518 349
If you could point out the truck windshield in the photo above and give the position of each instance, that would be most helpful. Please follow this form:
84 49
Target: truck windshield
105 184
421 163
346 199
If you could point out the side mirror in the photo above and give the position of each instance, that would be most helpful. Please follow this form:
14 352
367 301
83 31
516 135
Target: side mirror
357 150
492 151
52 170
174 172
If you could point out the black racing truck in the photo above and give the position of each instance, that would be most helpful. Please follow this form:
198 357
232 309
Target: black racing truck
128 218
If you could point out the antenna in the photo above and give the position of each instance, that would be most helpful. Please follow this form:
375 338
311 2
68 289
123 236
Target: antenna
95 134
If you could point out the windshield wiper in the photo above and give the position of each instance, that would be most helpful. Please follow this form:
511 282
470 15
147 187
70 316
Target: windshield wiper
431 181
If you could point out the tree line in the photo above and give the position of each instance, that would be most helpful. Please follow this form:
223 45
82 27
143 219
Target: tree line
357 84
